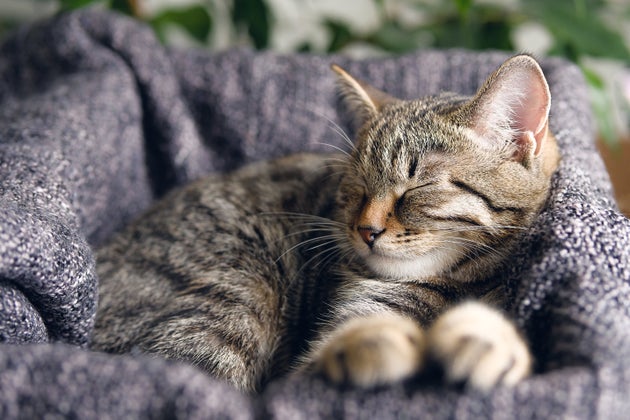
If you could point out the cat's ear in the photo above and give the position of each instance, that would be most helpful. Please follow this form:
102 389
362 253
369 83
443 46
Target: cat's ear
513 104
363 101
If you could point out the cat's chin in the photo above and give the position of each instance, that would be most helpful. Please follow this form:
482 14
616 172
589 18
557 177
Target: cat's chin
427 265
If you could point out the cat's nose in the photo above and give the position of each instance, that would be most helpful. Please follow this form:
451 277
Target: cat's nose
369 234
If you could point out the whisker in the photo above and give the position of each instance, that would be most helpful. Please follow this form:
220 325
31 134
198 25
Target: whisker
332 236
338 166
335 127
325 260
304 216
469 242
474 253
322 257
464 253
339 149
306 242
309 230
332 249
336 173
337 160
329 242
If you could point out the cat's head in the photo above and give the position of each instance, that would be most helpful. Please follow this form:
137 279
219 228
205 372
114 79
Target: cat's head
443 184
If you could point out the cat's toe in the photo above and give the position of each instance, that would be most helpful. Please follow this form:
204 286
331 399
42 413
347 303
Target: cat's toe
371 351
477 345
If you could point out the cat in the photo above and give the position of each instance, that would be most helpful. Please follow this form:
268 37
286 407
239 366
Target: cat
364 267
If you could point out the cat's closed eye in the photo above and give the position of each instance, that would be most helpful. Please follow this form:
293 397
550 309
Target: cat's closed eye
414 191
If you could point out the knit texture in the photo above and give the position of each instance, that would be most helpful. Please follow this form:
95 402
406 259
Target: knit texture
97 120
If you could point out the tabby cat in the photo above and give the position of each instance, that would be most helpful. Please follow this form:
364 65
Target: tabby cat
360 267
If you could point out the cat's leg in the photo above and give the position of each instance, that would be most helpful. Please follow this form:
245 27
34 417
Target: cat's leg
476 344
225 322
373 350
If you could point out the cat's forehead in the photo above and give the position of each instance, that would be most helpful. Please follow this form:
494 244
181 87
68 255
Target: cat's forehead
409 156
421 121
411 127
409 139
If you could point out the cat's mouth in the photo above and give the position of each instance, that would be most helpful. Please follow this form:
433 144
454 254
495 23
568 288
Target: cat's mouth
428 264
387 256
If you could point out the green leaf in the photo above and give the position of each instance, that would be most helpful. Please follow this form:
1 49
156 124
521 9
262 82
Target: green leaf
75 4
391 37
463 7
195 20
7 24
304 48
255 16
340 35
605 124
578 29
380 5
485 28
592 78
122 6
601 102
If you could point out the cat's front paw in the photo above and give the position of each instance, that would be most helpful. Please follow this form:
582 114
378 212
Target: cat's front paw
370 351
475 344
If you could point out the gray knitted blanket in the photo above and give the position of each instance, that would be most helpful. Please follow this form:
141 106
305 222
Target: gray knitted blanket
97 120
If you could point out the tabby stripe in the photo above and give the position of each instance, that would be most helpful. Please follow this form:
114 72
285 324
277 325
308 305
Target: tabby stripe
235 339
408 308
159 233
224 296
465 187
397 147
259 234
467 259
460 219
178 280
281 270
182 284
413 305
188 318
178 314
450 294
248 239
235 342
413 166
150 327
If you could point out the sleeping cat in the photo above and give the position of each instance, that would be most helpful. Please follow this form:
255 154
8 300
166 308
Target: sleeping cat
361 267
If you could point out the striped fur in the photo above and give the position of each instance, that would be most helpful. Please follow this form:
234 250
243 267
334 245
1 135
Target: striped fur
290 263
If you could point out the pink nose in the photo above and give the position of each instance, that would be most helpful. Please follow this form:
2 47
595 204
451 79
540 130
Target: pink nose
369 234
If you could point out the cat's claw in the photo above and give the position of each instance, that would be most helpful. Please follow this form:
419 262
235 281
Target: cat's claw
475 344
371 351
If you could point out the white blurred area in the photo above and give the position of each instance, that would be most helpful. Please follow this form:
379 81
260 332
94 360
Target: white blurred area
26 10
296 22
299 21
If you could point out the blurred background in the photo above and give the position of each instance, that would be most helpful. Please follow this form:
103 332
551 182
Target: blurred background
595 34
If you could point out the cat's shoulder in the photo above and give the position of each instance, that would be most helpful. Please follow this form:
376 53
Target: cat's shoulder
292 167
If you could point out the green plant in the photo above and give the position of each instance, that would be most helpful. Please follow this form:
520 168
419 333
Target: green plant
579 29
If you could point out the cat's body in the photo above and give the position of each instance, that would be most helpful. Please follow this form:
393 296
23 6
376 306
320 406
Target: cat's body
341 263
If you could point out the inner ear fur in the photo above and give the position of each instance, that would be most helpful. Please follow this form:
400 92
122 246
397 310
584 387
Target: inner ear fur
513 105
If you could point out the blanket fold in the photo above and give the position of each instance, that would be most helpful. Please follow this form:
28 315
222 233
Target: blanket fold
98 120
